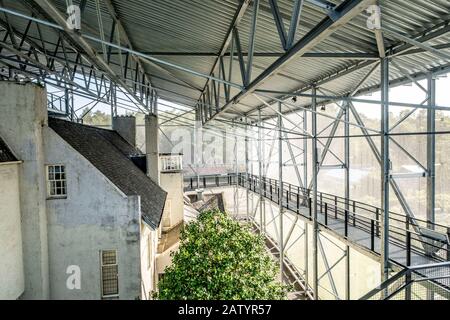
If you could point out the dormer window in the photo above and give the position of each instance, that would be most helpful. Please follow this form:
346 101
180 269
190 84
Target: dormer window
56 181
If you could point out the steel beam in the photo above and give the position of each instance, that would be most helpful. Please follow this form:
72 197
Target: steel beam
251 43
240 11
345 11
53 12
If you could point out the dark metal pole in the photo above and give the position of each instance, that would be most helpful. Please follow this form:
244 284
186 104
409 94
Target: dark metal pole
280 190
347 192
315 163
431 151
385 169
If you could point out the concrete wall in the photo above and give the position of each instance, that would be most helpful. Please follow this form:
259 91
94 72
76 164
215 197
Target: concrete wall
173 210
11 267
23 112
95 216
149 244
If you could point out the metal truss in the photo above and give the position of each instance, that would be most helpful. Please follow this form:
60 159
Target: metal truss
337 16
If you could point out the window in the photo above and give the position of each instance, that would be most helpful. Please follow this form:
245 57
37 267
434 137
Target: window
110 276
56 181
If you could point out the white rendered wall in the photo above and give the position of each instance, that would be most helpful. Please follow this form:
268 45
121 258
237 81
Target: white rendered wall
172 183
23 109
11 267
148 266
95 216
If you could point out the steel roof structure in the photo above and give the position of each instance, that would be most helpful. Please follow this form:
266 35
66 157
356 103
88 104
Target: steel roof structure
181 50
240 62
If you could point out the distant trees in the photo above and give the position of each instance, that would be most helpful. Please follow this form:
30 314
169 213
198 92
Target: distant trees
220 259
97 118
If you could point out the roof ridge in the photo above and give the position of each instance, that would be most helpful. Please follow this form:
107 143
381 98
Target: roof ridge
90 126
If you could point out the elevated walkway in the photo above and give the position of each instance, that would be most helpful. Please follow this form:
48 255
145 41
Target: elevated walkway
412 241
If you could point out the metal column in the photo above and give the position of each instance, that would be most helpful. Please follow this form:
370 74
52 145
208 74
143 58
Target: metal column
198 144
224 147
347 191
67 105
246 171
315 162
385 168
260 164
431 151
280 188
236 169
431 160
305 179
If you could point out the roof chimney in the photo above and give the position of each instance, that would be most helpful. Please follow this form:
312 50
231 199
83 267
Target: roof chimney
152 146
126 127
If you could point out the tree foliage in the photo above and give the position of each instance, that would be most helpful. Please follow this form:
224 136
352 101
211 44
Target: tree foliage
218 259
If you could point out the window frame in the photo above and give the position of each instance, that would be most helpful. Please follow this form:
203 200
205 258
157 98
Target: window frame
108 296
49 181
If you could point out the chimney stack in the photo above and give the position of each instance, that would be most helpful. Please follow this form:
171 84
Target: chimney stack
126 127
152 147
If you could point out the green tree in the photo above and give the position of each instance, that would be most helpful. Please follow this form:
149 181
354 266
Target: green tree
97 117
219 259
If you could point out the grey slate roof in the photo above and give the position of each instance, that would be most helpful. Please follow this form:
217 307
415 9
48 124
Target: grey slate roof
109 153
6 154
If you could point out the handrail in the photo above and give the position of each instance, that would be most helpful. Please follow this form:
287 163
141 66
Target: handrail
364 206
408 274
363 216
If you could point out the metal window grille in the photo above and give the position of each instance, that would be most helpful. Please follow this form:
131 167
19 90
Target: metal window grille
56 181
110 276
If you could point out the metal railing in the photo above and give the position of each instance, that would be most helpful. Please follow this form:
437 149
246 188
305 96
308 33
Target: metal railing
411 234
171 162
56 103
424 282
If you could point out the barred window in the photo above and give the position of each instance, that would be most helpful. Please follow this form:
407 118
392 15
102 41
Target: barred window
56 181
110 276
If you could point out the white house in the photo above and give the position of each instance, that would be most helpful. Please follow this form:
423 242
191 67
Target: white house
79 216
